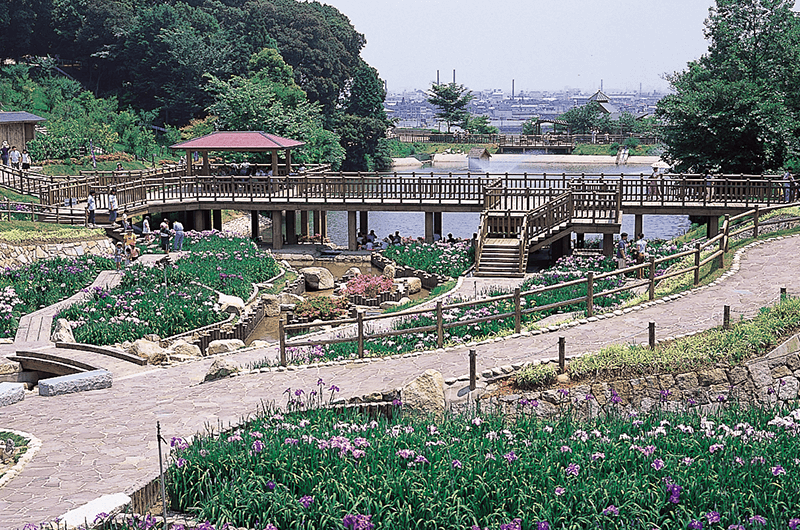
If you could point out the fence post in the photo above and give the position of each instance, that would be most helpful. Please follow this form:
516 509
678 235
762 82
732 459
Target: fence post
651 330
282 338
562 354
439 325
473 357
590 293
8 208
726 317
696 263
517 311
652 290
755 223
360 319
783 294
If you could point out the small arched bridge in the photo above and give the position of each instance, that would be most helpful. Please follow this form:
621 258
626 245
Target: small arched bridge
520 213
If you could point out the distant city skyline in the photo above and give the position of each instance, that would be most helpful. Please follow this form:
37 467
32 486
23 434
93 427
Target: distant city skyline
540 44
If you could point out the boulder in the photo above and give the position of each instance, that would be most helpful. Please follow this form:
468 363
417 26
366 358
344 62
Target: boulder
220 369
289 298
389 271
403 300
317 278
272 305
230 304
352 272
425 394
158 358
412 284
181 347
145 348
389 304
259 344
62 331
224 346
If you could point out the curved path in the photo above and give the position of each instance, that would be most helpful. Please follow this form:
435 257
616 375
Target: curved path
102 442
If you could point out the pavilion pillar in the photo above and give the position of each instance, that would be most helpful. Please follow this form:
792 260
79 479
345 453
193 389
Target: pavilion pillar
437 224
254 226
188 162
216 219
429 227
608 245
206 164
363 222
274 161
352 244
277 229
288 161
580 240
637 226
712 226
303 222
291 227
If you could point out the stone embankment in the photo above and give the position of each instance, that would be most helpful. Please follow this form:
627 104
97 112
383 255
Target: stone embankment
12 255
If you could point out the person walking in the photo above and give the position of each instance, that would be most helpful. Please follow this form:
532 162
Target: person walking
163 231
622 251
112 206
788 187
26 160
119 254
90 207
14 157
146 228
177 243
641 254
4 149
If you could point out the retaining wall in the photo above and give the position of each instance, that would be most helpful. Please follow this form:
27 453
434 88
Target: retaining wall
15 255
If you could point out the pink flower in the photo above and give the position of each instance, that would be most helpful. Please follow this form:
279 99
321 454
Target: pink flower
559 491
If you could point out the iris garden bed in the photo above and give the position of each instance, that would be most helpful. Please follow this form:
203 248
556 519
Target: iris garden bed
175 300
448 259
321 469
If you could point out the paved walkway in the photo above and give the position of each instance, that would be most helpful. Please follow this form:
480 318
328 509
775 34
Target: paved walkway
103 442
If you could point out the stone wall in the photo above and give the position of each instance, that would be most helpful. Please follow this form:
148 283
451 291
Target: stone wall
769 380
15 255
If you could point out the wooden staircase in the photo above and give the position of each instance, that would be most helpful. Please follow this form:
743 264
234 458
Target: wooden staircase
500 258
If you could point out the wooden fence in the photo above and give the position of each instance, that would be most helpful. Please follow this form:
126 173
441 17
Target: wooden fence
703 253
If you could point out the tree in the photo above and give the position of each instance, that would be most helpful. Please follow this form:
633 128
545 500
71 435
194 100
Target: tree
581 120
451 100
737 108
480 125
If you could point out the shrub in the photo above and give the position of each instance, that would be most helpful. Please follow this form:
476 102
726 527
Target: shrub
536 375
322 308
368 286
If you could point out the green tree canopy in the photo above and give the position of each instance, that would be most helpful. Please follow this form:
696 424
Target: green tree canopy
363 125
451 99
737 108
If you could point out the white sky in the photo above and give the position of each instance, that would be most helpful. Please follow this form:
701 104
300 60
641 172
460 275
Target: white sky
541 44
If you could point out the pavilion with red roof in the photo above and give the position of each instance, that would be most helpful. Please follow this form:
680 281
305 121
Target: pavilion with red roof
240 141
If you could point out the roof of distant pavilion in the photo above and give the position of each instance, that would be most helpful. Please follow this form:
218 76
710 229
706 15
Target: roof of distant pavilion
20 117
250 141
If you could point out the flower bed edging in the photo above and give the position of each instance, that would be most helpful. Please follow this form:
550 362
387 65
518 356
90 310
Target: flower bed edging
429 281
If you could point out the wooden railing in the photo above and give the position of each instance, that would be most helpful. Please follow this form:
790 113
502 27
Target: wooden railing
408 136
703 253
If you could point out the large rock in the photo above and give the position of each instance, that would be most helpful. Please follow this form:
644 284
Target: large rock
220 369
224 346
11 393
80 382
146 349
181 347
158 358
412 283
230 304
272 305
289 298
353 272
317 278
425 394
389 304
62 331
389 271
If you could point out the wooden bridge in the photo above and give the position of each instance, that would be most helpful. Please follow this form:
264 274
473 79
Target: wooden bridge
520 213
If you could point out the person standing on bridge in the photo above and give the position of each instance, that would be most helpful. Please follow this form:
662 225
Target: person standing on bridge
90 207
112 206
622 250
788 187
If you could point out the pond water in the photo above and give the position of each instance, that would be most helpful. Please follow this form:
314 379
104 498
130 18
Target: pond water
463 225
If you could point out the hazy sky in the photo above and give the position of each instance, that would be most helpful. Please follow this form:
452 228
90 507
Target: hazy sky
542 44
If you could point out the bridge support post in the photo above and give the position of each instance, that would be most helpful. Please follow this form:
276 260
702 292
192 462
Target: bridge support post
304 222
363 222
429 227
323 223
608 245
216 219
712 226
277 229
437 224
580 240
352 231
637 226
317 225
291 227
254 226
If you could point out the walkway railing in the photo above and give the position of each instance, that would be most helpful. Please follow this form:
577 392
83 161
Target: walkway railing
713 249
411 136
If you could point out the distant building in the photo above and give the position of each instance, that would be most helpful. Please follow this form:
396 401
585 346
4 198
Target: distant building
478 158
18 128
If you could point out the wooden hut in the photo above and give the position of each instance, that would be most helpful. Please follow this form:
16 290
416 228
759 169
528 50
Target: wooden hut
18 128
478 158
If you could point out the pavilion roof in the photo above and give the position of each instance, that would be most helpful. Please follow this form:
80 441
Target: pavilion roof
20 117
252 141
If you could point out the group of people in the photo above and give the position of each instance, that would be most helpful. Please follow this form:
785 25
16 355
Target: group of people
11 156
637 251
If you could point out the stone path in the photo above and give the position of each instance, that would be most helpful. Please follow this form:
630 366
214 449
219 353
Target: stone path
103 442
